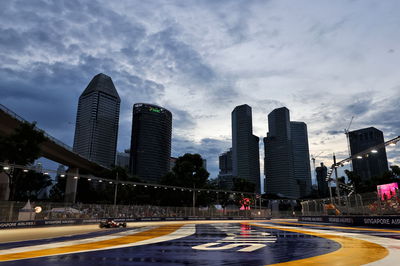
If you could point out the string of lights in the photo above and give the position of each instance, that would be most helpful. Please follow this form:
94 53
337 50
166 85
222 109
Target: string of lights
92 178
359 156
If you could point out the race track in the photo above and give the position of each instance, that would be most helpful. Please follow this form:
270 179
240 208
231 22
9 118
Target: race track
275 242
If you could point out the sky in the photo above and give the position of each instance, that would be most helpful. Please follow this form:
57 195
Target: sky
324 60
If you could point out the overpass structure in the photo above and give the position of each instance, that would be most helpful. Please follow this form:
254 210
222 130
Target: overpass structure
54 150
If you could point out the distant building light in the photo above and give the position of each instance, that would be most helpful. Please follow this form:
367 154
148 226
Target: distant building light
6 167
110 182
100 181
374 151
45 173
75 177
359 157
392 144
62 175
89 179
25 170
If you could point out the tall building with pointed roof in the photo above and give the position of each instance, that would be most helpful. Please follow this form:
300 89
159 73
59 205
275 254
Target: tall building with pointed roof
245 150
97 119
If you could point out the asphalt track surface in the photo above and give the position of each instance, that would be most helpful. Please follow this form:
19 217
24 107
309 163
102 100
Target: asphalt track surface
275 242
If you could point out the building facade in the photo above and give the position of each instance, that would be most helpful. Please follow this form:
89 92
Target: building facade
150 151
323 188
225 177
123 159
96 129
376 163
245 149
301 157
286 162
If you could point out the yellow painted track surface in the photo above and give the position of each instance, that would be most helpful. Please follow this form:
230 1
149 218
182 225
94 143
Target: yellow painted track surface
352 252
354 246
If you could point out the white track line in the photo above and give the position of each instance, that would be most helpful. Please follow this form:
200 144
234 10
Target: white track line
393 245
73 242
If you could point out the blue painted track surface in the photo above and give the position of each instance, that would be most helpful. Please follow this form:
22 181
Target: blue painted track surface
210 244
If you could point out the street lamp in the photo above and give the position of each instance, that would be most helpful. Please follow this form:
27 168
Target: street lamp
194 193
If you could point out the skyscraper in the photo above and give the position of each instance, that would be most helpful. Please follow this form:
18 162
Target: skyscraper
96 129
278 161
376 163
286 162
301 157
323 188
225 178
150 142
122 159
245 150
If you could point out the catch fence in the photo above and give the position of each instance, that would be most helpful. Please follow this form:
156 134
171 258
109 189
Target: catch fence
356 204
19 211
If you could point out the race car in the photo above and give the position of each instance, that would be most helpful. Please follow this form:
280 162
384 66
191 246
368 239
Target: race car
110 223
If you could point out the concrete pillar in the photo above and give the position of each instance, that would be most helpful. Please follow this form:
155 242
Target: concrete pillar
72 184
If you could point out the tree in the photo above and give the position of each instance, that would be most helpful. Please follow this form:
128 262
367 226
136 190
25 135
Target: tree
396 170
188 172
21 148
57 192
354 179
30 185
243 185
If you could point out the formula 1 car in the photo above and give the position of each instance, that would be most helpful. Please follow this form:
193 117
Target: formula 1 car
110 223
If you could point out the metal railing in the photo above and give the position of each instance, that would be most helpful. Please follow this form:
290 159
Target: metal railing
11 211
356 204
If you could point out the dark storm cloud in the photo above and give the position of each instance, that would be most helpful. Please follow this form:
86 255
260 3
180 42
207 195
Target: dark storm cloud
182 119
385 115
168 48
141 89
359 107
335 132
46 93
268 105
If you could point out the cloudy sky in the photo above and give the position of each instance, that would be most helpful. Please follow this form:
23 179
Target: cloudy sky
325 60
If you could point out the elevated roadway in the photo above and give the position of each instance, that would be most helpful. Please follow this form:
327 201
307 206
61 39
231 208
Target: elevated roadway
52 148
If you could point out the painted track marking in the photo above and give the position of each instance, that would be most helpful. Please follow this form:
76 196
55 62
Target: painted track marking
353 251
159 234
340 227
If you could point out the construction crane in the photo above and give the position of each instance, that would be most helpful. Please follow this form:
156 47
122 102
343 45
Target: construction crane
313 157
346 132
